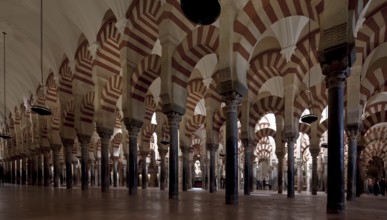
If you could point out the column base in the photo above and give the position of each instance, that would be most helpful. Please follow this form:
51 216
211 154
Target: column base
338 208
231 199
173 196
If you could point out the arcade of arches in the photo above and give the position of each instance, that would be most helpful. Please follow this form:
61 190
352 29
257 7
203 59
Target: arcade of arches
143 97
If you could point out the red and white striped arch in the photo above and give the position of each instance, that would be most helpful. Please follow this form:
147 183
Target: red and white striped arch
117 140
55 120
319 100
150 108
374 82
39 99
118 118
263 67
193 124
196 91
66 78
263 149
263 106
147 71
110 93
265 132
84 64
322 128
17 116
176 16
375 134
87 108
304 128
374 119
52 90
148 132
373 33
212 93
375 149
143 20
258 16
200 42
375 107
68 119
220 118
107 60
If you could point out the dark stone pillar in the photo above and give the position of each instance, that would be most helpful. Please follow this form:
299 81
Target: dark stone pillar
18 176
352 132
30 170
247 167
280 167
314 152
46 168
34 169
55 152
24 170
291 140
92 173
40 168
105 135
163 170
232 100
132 170
144 174
68 144
115 167
335 78
212 148
185 151
252 158
359 180
84 141
173 121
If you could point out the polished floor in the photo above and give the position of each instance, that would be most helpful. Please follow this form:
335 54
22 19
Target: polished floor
33 202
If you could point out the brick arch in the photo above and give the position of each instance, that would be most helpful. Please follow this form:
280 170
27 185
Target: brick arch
148 132
375 134
118 121
374 82
322 128
319 100
116 141
373 32
202 41
196 91
263 149
110 93
143 18
375 149
263 106
55 120
150 108
373 119
264 132
87 108
84 64
193 124
66 78
147 71
304 128
51 89
108 54
68 118
220 118
256 18
375 107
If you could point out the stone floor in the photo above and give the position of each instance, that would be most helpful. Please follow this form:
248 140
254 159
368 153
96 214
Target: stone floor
32 202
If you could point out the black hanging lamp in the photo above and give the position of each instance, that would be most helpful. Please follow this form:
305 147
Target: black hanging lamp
203 12
41 109
309 118
5 134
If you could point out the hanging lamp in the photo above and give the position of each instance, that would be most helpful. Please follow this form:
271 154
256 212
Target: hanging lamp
5 134
309 118
41 109
203 12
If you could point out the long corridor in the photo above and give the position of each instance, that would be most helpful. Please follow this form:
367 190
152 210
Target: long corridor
32 203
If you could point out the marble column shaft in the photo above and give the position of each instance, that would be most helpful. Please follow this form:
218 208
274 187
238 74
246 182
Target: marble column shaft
144 174
185 151
115 167
352 132
247 166
280 168
55 151
105 135
232 101
84 141
163 170
212 148
46 168
173 121
291 141
132 171
40 168
68 144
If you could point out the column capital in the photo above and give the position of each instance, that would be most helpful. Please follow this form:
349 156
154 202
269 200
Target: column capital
280 155
184 149
173 118
163 152
104 133
290 137
83 139
56 147
144 153
67 142
353 130
314 152
133 130
232 100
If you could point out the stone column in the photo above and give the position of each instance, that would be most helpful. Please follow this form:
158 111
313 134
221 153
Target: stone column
34 169
18 179
92 173
173 121
291 140
40 168
232 100
24 170
30 170
55 152
247 167
99 172
185 151
132 171
299 175
359 180
144 173
280 166
68 144
46 168
212 148
314 153
115 167
163 170
105 134
84 140
352 132
336 72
